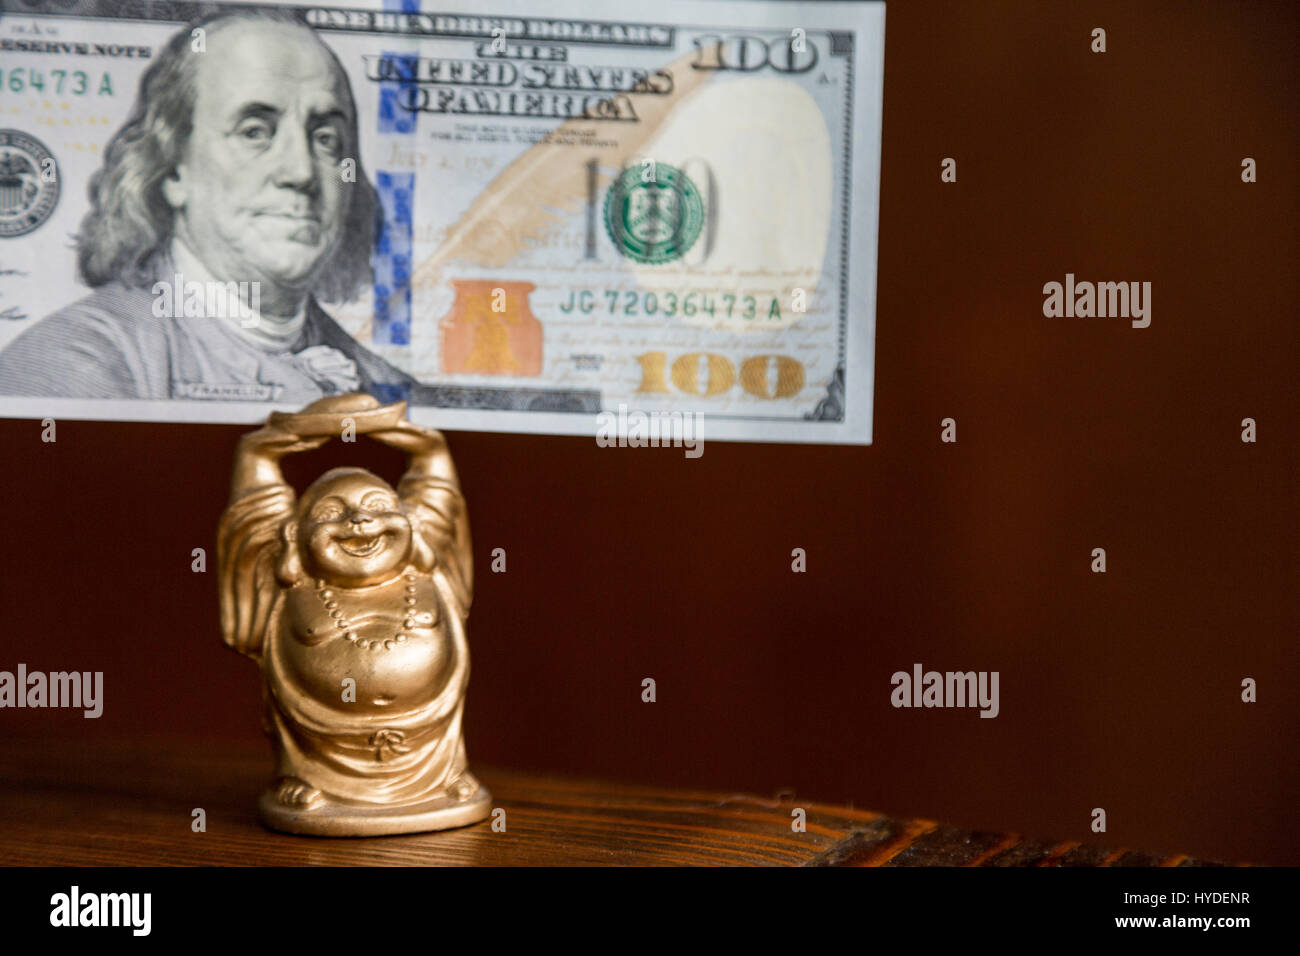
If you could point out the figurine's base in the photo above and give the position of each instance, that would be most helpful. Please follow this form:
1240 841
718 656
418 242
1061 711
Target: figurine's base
334 820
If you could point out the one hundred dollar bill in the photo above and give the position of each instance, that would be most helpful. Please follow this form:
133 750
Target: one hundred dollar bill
536 217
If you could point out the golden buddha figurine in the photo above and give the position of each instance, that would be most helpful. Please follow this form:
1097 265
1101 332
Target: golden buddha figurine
353 601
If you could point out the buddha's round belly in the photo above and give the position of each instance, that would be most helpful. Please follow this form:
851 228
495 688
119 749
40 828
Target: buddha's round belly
390 675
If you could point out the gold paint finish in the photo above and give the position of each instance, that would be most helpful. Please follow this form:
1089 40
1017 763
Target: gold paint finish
353 601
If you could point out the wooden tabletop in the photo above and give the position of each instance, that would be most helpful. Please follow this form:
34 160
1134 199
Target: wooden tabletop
69 803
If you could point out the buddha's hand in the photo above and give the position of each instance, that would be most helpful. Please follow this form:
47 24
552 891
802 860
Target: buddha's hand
411 438
272 444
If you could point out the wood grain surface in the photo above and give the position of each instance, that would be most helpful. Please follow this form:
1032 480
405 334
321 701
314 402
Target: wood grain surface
69 803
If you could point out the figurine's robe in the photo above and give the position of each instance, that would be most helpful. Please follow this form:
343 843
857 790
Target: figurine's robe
405 753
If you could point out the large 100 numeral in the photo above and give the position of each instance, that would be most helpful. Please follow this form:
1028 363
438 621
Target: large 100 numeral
746 53
719 374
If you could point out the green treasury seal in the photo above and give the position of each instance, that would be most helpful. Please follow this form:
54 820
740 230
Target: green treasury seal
653 213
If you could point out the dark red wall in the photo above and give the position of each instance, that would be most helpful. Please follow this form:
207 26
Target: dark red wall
1119 691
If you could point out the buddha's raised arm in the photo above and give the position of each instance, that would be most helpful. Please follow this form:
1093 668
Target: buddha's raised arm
248 538
431 489
257 459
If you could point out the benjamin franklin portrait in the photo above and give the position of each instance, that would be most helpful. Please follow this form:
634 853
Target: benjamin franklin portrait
238 167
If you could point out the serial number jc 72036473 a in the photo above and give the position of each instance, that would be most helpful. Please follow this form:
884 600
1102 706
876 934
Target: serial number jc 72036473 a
669 304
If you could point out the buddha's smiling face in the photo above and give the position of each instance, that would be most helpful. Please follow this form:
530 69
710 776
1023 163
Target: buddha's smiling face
352 532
